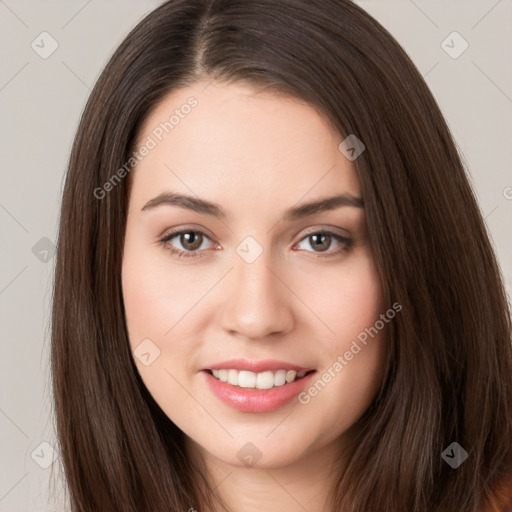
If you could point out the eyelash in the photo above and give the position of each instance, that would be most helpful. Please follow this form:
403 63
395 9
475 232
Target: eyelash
346 243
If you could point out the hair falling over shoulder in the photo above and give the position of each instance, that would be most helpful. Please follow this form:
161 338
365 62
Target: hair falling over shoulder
449 375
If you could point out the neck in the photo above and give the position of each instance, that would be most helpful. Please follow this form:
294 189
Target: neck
304 485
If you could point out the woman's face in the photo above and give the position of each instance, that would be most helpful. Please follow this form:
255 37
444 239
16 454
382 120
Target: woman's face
259 296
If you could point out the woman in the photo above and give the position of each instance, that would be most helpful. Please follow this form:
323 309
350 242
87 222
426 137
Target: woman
274 289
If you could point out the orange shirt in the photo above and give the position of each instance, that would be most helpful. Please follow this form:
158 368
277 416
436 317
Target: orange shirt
502 498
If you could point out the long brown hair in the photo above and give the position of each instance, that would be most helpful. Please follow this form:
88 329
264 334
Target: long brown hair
449 371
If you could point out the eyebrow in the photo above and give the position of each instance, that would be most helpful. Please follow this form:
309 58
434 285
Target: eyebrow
295 213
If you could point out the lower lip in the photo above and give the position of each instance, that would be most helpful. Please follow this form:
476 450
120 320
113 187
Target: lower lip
256 400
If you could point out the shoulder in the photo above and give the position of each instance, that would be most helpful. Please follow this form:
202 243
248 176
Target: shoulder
502 497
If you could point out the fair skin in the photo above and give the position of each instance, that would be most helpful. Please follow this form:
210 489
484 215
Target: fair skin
255 154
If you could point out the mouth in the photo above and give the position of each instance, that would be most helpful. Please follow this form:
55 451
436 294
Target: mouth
256 386
262 380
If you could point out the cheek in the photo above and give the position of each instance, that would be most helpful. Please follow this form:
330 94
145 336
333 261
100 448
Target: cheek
160 302
153 302
354 352
144 301
156 296
348 299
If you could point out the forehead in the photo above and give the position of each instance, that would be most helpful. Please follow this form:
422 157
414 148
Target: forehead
233 143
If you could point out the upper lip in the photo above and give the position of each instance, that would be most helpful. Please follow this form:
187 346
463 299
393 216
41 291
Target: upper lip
257 366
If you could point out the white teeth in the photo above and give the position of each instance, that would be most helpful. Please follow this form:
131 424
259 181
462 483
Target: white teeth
263 380
280 378
233 377
246 379
290 375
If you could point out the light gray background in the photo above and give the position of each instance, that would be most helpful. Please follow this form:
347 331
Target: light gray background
40 104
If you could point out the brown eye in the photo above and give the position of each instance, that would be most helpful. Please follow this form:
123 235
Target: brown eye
190 241
322 241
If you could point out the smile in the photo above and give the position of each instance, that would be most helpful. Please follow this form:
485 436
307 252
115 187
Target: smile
262 380
256 386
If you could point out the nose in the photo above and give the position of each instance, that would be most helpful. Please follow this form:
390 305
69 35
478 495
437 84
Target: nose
257 303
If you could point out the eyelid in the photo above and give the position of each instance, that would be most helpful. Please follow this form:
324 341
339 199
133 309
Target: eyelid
185 229
325 229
